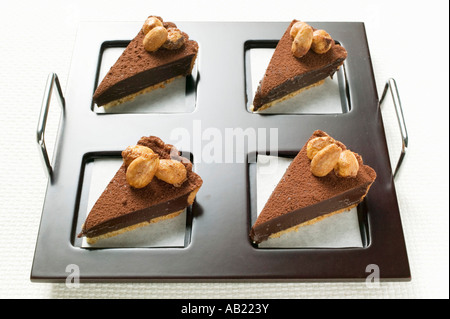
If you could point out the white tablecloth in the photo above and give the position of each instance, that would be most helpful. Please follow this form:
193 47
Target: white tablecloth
408 41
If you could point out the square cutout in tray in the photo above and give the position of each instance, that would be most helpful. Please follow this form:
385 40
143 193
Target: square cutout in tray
179 96
97 172
329 98
345 230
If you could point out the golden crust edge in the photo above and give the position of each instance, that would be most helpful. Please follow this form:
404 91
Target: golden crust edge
192 195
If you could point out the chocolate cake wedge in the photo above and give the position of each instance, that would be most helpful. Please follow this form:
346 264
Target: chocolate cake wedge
316 57
325 178
158 54
128 202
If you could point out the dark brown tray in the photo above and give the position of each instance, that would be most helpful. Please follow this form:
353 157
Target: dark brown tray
218 246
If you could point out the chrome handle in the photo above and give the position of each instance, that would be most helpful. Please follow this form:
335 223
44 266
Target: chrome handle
52 81
391 85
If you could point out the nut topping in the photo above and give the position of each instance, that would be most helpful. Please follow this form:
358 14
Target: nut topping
347 165
322 42
317 144
175 39
155 38
151 23
169 24
303 39
296 27
142 170
133 152
326 155
325 160
172 172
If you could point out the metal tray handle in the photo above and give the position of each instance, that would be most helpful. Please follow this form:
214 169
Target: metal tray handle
391 85
52 81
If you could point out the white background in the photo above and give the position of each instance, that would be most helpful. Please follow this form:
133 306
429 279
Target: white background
408 41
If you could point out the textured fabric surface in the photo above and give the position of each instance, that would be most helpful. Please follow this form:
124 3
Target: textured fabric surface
38 38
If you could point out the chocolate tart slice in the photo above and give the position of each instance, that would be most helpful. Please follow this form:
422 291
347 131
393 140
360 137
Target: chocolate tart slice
138 71
122 208
301 198
287 75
